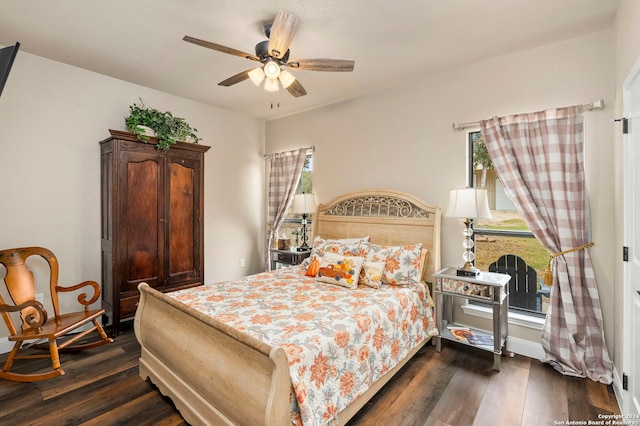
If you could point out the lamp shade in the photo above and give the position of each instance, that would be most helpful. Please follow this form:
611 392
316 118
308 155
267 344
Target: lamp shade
468 203
304 203
286 78
256 75
271 85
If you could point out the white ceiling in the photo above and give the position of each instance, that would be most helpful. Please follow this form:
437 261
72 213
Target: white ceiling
391 41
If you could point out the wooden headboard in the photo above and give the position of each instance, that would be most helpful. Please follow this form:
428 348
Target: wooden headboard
387 217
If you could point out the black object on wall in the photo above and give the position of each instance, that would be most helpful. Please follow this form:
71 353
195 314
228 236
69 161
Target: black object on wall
7 55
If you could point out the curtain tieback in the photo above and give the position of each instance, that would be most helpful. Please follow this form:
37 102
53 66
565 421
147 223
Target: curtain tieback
548 275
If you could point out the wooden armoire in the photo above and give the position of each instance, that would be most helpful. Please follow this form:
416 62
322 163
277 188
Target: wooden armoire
152 220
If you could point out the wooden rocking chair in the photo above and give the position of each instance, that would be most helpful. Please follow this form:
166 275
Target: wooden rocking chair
33 324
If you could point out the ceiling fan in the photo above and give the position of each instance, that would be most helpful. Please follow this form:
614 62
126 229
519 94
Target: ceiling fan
273 54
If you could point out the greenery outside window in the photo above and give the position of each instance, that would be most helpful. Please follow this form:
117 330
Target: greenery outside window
506 232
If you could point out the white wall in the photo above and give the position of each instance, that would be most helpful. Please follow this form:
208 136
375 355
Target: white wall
402 138
52 117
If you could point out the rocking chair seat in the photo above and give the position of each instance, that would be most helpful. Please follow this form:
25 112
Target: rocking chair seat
59 326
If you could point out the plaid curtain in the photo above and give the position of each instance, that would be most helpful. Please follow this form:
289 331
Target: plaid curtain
539 158
285 169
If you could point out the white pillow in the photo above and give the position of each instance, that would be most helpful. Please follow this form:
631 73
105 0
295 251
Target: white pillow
371 274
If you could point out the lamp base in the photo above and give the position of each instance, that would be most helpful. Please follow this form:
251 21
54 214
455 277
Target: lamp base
304 246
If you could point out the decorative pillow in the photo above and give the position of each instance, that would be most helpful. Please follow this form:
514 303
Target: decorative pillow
371 274
321 246
340 270
402 263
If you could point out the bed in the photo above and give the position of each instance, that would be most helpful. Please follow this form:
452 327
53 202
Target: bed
217 372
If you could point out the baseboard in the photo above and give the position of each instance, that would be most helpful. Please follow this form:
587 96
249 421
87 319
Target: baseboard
618 391
525 347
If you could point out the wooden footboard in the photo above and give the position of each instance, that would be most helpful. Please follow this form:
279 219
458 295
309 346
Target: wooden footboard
212 373
215 374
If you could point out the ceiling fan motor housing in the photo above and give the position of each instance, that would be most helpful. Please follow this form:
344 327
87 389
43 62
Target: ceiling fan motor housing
262 52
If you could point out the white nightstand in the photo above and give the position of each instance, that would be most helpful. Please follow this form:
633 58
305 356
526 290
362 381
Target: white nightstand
488 287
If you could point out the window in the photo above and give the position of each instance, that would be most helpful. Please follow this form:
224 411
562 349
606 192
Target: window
292 224
506 233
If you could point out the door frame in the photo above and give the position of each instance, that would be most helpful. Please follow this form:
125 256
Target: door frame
630 365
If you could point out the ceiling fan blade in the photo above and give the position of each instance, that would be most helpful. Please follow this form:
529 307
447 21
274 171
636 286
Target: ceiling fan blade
282 31
220 48
235 78
296 89
329 65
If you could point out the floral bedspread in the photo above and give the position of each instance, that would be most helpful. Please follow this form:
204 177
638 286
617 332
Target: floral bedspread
338 340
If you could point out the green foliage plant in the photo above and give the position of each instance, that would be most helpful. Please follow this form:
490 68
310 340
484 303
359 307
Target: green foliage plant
481 158
166 126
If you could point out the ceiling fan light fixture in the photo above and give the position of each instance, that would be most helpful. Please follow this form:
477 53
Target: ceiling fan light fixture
256 75
286 78
271 69
271 85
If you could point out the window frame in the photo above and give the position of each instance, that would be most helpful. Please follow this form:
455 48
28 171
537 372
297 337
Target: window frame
494 232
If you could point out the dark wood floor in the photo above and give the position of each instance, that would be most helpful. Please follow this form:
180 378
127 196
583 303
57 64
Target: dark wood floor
455 387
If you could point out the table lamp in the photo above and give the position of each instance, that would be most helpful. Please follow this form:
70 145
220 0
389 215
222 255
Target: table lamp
468 203
304 204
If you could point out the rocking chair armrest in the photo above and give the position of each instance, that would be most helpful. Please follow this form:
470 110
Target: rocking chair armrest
32 320
82 297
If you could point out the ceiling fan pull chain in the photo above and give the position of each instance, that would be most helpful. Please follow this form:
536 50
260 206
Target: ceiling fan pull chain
276 94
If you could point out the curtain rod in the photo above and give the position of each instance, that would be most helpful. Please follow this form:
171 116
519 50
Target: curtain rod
599 104
311 148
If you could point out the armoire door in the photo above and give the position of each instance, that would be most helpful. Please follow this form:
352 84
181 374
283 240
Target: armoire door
183 228
141 218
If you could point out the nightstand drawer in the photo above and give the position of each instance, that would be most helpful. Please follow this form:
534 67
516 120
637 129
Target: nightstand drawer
284 257
465 288
287 257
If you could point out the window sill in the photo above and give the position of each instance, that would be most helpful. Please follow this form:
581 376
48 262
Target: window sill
522 320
